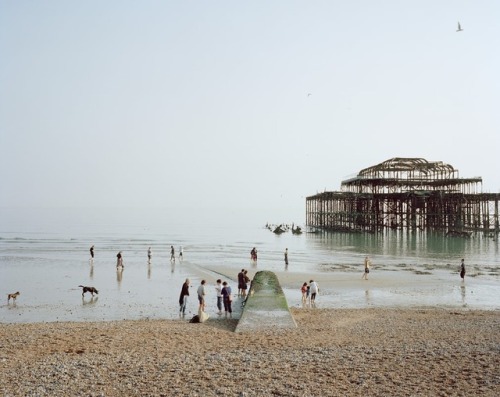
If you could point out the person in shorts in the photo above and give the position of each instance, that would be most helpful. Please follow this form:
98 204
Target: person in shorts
367 268
201 296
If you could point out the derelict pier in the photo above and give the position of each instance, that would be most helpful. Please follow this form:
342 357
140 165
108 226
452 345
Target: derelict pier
407 194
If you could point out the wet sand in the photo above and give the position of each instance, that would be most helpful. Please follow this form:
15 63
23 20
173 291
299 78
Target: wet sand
404 352
151 292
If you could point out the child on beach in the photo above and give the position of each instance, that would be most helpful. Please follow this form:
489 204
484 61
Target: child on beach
305 292
218 290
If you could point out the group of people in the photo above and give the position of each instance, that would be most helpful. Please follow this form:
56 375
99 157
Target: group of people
253 254
172 254
243 281
309 291
119 256
224 298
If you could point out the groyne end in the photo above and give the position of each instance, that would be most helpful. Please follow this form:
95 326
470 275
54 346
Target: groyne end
266 305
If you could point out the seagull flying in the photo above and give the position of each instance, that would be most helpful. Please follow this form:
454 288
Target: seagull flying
459 28
309 94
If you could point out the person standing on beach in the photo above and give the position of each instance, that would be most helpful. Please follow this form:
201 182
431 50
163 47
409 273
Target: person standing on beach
92 253
367 268
201 296
462 270
304 292
119 260
244 285
184 297
241 278
253 254
286 257
218 290
172 254
149 255
314 288
227 298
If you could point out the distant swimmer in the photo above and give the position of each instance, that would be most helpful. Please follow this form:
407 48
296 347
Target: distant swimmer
459 28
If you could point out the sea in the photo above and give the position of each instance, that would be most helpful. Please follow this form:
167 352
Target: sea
44 254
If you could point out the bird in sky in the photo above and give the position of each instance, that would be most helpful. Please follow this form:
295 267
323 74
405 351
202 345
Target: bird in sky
459 28
309 94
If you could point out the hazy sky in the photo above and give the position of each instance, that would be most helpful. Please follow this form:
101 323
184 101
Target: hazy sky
182 103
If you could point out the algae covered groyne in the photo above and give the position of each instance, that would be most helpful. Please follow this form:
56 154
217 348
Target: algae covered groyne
266 305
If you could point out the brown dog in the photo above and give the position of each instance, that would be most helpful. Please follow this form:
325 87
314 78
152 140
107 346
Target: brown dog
13 296
92 290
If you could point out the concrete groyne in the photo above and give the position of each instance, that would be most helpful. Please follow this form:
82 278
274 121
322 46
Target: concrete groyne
266 305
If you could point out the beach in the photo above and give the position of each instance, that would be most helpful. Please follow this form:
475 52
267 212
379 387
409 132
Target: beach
403 352
413 328
45 256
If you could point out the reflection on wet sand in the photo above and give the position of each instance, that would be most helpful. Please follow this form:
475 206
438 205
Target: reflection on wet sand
92 300
463 292
119 275
308 304
149 270
91 275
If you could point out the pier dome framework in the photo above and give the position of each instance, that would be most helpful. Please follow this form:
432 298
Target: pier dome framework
406 193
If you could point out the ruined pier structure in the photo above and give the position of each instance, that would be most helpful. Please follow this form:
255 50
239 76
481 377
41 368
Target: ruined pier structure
406 194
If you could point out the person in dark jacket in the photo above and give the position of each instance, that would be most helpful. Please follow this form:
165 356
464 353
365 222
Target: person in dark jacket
184 297
462 270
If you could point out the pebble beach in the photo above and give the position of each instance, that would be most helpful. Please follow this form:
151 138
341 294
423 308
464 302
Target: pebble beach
413 329
392 352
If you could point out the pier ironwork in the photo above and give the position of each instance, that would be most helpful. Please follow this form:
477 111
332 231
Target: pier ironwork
407 194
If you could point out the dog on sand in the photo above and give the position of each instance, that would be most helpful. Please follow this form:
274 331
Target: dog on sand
13 296
92 290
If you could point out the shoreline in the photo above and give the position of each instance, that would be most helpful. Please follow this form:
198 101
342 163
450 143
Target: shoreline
372 351
156 297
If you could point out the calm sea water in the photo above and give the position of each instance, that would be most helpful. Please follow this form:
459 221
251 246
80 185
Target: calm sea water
45 255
